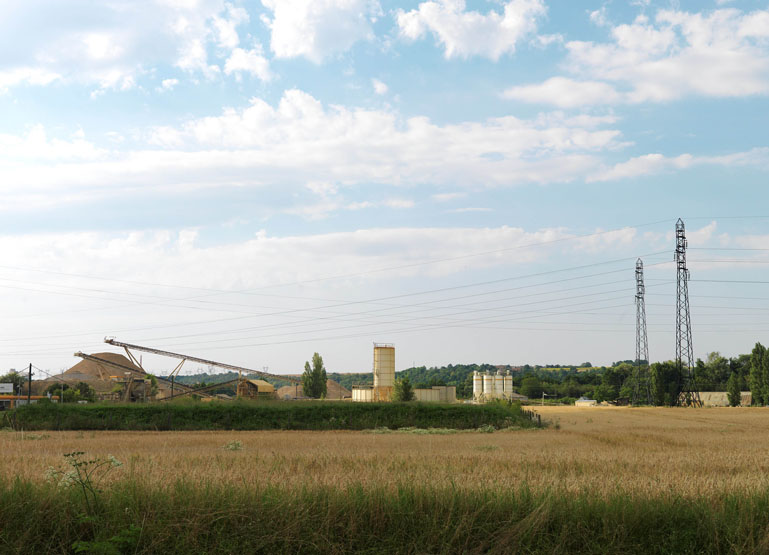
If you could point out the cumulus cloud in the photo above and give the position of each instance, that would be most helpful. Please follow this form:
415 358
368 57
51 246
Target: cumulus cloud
565 93
317 29
465 33
248 61
379 87
721 53
116 44
300 140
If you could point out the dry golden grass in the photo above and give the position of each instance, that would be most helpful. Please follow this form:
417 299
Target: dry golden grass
598 450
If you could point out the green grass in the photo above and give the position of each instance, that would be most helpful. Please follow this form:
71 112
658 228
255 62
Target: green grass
206 518
265 416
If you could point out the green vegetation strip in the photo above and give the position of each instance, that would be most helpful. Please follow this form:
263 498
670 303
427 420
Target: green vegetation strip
265 416
203 518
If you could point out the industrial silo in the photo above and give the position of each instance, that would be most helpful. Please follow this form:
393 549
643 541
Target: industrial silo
384 370
488 386
509 385
499 385
477 385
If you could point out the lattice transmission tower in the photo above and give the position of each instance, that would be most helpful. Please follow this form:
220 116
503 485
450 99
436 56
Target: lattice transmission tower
642 393
688 395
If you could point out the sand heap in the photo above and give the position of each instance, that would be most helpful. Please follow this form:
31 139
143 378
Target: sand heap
333 391
95 374
98 375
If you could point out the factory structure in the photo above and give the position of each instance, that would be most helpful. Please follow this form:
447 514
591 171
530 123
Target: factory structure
123 378
488 386
384 380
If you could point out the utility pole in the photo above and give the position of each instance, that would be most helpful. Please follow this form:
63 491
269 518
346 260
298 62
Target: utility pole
688 395
29 385
642 393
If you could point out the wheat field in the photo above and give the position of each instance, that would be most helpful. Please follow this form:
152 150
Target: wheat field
654 451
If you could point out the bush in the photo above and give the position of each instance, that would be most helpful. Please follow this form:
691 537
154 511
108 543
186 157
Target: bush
276 415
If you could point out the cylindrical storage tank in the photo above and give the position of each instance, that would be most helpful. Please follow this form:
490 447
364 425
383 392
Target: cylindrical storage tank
488 385
499 385
508 385
477 385
384 365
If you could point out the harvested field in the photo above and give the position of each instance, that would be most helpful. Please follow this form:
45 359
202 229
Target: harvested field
597 450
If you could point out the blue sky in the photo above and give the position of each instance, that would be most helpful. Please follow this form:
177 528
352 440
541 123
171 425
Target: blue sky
194 172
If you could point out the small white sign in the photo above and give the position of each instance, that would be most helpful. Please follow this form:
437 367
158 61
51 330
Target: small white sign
6 388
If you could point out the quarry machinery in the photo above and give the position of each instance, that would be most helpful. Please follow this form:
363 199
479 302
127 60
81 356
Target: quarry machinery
127 379
184 358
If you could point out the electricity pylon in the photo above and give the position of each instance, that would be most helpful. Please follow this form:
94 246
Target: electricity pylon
642 393
688 395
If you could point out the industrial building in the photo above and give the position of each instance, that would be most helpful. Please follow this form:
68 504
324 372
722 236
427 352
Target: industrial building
488 386
436 394
255 389
384 380
384 376
13 401
334 392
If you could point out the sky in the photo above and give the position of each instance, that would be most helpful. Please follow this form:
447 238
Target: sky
255 181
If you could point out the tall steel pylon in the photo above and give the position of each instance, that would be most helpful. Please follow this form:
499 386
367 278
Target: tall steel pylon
688 395
642 393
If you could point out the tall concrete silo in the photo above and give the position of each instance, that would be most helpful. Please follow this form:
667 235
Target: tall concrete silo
477 385
384 370
499 385
508 385
488 385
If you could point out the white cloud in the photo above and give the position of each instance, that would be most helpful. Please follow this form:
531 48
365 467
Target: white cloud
446 197
301 141
379 87
469 33
722 53
248 61
26 75
565 93
701 236
184 258
469 209
168 84
599 16
655 163
323 188
112 45
317 29
399 203
226 27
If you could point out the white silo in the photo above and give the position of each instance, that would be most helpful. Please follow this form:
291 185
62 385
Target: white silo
384 370
488 385
499 385
509 385
477 385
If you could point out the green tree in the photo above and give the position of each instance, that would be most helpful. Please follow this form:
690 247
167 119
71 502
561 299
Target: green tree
531 387
733 390
314 378
757 378
665 383
403 390
85 391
